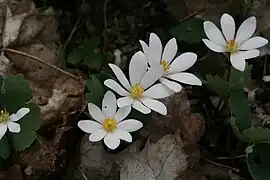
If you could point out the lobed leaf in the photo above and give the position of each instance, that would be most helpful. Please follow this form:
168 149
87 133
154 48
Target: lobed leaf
239 107
190 31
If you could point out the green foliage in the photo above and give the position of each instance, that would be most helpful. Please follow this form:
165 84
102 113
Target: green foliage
4 148
217 84
29 125
85 54
238 80
190 31
95 89
256 135
258 161
239 107
15 94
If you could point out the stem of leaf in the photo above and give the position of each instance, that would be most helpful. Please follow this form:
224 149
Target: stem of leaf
222 102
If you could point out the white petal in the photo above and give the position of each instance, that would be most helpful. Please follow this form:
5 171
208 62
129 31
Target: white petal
111 141
171 85
238 61
213 33
170 50
95 112
158 91
183 62
246 30
253 43
251 53
155 50
137 67
228 26
109 104
145 48
140 107
89 126
112 84
3 130
13 127
124 101
130 125
120 76
151 76
154 105
213 46
122 113
20 114
97 135
123 135
186 78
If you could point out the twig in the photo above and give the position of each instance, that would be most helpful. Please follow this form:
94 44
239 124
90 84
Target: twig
41 61
233 157
75 28
83 175
192 14
221 165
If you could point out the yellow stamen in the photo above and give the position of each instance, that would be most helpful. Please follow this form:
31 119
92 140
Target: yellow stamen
136 91
166 66
109 124
4 115
231 46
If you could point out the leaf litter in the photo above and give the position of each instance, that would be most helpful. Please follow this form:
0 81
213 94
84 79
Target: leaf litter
166 149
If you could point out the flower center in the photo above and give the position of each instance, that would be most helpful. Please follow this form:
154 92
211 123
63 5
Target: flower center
166 66
231 46
136 91
4 115
109 124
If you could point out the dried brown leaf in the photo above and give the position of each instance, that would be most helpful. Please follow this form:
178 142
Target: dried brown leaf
163 160
12 27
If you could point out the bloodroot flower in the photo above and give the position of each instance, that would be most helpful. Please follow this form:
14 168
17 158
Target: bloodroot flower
241 46
109 123
173 68
9 122
140 91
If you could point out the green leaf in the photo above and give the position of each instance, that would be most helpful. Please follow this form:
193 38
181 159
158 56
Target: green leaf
76 56
16 93
256 135
29 125
217 84
190 31
92 58
238 80
240 109
4 148
86 54
258 161
95 88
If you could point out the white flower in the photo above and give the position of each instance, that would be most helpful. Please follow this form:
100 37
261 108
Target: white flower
109 123
240 46
138 92
9 121
172 68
